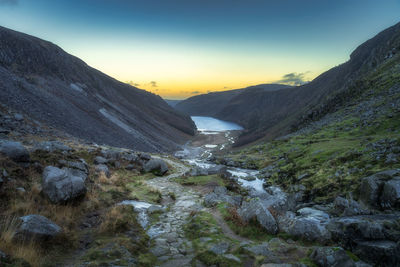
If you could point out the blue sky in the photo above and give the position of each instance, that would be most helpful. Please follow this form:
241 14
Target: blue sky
177 48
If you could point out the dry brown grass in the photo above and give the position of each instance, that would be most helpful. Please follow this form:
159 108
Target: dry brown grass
234 217
28 251
118 219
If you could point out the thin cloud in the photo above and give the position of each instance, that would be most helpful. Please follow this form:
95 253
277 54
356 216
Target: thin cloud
293 78
153 84
8 2
195 92
133 83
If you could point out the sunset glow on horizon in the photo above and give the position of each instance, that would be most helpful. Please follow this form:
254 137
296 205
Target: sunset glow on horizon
178 48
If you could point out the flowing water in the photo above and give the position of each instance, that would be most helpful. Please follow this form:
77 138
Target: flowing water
198 156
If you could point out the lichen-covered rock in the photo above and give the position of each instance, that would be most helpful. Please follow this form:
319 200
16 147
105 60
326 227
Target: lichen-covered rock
157 166
61 185
37 227
15 151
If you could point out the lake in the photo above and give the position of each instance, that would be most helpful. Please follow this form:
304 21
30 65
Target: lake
213 124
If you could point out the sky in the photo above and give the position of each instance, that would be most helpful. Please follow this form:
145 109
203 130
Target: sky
180 48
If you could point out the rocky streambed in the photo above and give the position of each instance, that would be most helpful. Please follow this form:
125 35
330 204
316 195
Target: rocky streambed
345 232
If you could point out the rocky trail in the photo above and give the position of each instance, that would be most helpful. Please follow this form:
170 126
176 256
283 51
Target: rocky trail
171 247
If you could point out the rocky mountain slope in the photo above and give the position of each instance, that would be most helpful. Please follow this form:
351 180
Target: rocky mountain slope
39 79
215 103
271 114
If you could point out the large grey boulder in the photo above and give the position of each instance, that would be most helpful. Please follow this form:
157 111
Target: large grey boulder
309 225
37 227
379 252
197 171
371 187
61 186
15 151
390 197
348 207
331 257
255 209
220 195
366 227
157 166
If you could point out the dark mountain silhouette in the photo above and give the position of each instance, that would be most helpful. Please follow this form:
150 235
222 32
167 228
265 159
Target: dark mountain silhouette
213 103
269 114
41 80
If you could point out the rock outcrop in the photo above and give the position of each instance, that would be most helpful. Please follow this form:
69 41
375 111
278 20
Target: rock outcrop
61 185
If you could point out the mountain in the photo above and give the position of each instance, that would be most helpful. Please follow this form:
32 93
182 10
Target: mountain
172 102
213 103
271 114
41 80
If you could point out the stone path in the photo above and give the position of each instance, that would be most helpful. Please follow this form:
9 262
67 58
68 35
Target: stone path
171 247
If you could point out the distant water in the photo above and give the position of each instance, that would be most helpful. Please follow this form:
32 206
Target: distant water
213 124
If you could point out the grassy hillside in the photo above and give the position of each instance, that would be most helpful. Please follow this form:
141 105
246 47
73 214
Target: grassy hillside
330 155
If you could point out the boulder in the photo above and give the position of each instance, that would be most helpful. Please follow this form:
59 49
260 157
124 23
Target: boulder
308 226
77 173
101 168
380 252
220 248
197 171
157 166
144 156
255 209
15 151
37 227
100 160
390 197
331 257
51 146
220 195
218 169
259 250
131 157
371 187
79 165
61 186
347 230
349 207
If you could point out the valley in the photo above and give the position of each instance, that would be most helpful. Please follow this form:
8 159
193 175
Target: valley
95 172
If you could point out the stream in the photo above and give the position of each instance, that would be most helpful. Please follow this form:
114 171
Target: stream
217 135
171 247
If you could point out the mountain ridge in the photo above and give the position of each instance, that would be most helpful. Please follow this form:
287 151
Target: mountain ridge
272 114
42 80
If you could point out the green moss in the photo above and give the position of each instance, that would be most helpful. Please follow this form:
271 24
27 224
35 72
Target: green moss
210 258
308 262
147 260
352 256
